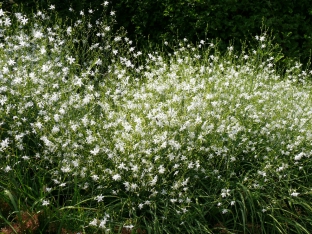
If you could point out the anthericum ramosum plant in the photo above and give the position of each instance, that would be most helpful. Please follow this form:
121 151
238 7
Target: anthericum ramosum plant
96 140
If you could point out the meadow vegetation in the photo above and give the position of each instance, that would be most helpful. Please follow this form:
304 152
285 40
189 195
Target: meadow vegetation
98 136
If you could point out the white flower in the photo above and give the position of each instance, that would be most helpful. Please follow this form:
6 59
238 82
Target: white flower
224 211
93 222
99 198
38 34
69 30
103 223
262 38
134 186
154 181
98 62
7 169
71 60
161 169
95 177
4 144
225 192
299 156
129 226
7 22
25 157
55 129
117 38
11 62
65 169
45 202
116 177
48 189
24 20
95 151
78 81
294 194
5 70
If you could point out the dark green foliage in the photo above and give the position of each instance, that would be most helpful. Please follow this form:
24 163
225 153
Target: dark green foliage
156 20
224 19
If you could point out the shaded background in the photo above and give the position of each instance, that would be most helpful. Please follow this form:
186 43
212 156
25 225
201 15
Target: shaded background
149 22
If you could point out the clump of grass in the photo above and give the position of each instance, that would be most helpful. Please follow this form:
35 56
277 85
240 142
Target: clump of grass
98 137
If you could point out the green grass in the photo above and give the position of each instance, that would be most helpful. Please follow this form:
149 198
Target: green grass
99 137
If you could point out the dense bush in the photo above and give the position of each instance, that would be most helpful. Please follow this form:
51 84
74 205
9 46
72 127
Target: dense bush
195 19
100 137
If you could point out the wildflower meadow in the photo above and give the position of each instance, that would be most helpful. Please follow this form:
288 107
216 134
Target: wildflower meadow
99 136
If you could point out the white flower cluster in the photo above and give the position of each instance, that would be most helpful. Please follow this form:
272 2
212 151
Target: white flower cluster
156 131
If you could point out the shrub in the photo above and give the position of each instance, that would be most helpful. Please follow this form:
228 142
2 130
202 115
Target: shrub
96 139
